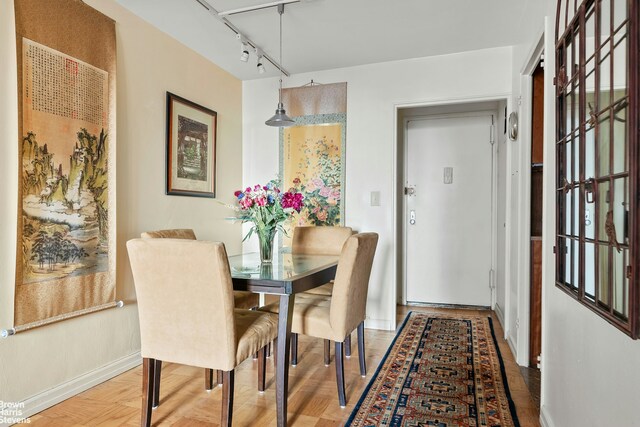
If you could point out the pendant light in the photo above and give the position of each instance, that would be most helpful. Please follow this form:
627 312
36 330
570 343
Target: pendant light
280 119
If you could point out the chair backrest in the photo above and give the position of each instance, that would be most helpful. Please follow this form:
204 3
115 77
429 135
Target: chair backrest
319 240
178 233
185 301
349 299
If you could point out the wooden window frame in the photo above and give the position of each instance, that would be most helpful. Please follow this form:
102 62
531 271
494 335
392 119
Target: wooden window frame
572 15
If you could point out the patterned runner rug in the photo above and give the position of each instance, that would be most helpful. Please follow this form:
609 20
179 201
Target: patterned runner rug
440 372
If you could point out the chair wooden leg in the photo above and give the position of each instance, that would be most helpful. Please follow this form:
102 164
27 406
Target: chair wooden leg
275 351
262 360
294 349
327 352
209 384
156 383
148 375
340 374
269 350
347 346
227 398
220 377
363 365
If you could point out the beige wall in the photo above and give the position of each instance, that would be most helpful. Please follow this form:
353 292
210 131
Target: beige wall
149 64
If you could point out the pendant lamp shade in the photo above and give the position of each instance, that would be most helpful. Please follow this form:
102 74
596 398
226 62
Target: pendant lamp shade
280 119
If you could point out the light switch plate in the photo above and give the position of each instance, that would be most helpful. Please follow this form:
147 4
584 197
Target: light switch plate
375 198
448 175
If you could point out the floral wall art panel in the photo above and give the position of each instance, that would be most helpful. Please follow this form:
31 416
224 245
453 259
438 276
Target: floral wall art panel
312 152
66 229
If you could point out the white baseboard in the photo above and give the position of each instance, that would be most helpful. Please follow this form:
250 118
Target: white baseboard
500 315
381 324
512 346
47 399
545 418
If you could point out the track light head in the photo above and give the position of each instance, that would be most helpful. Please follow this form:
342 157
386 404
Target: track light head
260 62
244 48
244 53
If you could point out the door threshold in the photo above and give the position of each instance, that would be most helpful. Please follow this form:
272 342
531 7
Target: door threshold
456 306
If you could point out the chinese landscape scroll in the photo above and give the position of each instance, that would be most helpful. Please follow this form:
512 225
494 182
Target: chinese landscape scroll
66 227
312 152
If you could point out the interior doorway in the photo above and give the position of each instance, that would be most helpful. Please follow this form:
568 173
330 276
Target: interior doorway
437 265
537 150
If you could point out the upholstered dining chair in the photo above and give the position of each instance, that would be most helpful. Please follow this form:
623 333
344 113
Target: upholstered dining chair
335 317
187 314
326 240
320 241
241 299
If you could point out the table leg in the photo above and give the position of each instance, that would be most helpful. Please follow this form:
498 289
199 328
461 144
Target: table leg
282 358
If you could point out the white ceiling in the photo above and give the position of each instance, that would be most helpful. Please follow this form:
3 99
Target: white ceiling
326 34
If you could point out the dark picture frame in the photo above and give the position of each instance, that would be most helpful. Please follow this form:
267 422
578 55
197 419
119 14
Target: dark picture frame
191 148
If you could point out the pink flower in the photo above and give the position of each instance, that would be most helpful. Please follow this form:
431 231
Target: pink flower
292 200
331 201
335 194
322 215
237 193
247 190
257 187
325 192
296 180
261 201
318 182
246 202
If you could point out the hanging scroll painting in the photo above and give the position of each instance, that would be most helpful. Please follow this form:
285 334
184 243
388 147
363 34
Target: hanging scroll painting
66 229
312 152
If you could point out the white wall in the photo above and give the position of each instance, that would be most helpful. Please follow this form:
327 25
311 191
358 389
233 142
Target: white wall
590 370
373 94
42 364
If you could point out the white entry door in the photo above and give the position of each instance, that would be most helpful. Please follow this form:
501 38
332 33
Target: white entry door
448 215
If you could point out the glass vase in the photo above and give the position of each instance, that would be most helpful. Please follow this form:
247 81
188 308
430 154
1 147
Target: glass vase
265 238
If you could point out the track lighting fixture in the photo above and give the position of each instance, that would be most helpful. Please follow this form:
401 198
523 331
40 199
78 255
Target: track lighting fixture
244 48
260 62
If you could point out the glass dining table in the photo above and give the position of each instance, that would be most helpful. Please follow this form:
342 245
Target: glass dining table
287 275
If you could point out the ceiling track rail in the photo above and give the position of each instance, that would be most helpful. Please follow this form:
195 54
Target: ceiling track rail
235 29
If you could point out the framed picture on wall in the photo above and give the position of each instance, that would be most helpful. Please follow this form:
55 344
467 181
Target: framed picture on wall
191 148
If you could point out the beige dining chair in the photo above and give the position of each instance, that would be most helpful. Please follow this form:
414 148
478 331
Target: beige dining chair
242 299
325 240
187 314
334 318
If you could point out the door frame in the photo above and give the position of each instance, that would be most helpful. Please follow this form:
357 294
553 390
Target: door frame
525 113
398 196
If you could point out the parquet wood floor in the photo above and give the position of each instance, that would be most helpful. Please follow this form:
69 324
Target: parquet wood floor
313 398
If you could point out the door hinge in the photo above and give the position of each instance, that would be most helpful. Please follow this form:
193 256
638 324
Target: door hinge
554 249
492 137
539 359
629 272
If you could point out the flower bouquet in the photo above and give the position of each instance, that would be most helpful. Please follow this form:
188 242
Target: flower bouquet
267 208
